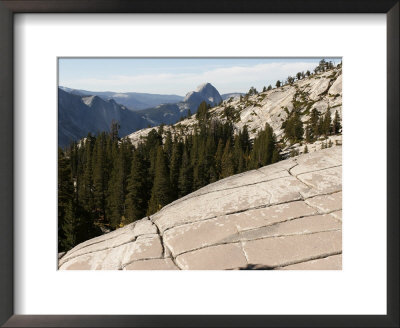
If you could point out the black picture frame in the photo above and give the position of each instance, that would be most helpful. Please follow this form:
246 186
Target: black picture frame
10 7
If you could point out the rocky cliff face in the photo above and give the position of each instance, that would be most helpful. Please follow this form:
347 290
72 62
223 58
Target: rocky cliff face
78 115
205 92
283 216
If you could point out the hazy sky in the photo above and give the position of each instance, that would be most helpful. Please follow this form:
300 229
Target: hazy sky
178 75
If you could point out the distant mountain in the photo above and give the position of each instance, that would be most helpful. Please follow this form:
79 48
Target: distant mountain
132 100
171 113
234 95
205 92
79 114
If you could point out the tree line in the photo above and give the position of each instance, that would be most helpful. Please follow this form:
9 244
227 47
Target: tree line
105 182
315 127
322 66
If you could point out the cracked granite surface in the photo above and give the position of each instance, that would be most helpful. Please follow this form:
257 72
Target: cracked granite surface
285 216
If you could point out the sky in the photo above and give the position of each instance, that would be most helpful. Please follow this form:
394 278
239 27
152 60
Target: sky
178 75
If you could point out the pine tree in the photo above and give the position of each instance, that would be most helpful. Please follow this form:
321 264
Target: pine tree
322 65
77 170
336 123
200 170
252 91
185 181
327 123
218 158
137 188
85 227
65 194
194 149
264 148
168 146
293 127
68 227
65 186
210 149
244 138
74 159
160 130
305 149
160 194
276 157
321 126
278 84
151 143
117 190
174 168
313 125
202 113
85 185
238 156
247 159
114 130
100 177
227 163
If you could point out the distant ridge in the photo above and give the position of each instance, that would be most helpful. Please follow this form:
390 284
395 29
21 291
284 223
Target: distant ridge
226 96
132 100
81 112
78 115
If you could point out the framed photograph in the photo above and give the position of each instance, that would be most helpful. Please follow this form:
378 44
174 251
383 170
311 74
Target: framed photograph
180 179
199 164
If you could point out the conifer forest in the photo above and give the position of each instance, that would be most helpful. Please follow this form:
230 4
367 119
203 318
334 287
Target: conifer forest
105 182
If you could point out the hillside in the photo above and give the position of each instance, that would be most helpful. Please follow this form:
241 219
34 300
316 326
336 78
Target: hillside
283 216
78 115
322 91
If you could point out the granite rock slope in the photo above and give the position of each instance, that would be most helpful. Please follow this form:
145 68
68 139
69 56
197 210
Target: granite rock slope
283 216
322 92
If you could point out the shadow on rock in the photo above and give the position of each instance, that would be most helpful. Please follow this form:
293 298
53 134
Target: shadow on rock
256 267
